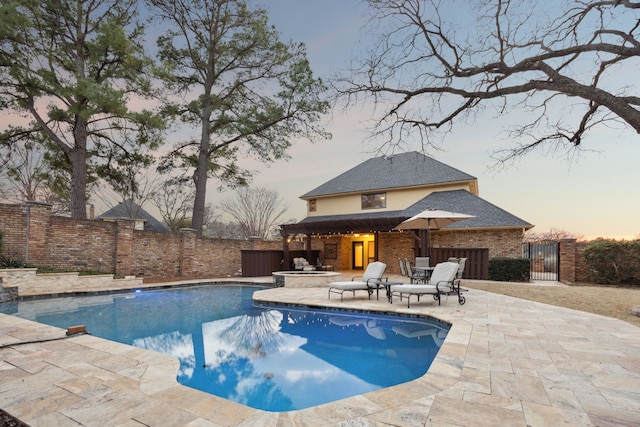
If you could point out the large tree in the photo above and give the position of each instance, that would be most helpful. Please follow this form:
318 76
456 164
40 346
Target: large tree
247 92
569 67
71 70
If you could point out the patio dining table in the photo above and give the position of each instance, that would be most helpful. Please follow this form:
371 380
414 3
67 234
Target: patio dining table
425 272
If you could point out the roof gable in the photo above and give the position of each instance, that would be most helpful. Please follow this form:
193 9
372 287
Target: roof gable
130 208
486 216
400 170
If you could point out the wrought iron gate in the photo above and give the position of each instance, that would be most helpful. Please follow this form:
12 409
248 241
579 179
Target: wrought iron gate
545 259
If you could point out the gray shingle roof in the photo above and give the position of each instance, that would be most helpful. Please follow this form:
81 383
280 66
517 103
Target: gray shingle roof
487 215
380 173
126 209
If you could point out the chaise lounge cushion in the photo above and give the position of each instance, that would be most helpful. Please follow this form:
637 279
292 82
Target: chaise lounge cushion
440 282
369 281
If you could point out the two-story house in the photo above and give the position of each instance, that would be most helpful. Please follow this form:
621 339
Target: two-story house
351 218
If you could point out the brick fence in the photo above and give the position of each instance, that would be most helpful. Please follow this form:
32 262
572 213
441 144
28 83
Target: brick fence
36 237
573 267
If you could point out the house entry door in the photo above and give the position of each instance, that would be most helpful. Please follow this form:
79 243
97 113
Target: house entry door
358 255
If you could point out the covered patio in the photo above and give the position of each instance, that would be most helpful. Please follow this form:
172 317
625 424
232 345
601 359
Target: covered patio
374 226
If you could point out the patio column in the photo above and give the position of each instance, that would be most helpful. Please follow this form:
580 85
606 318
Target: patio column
307 244
285 248
376 256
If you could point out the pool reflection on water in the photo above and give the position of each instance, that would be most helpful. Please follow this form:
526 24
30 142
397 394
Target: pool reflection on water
275 358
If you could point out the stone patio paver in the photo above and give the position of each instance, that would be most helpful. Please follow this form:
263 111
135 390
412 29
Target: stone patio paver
505 362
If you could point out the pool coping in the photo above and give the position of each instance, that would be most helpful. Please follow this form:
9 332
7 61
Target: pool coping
505 361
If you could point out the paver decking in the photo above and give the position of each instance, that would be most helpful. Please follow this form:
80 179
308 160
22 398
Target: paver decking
505 362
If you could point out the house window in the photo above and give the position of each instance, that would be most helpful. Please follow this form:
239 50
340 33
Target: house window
374 201
312 205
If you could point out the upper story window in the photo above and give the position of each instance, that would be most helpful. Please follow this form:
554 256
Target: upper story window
312 205
374 201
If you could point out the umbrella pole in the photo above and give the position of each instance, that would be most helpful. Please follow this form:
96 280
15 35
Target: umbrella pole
424 242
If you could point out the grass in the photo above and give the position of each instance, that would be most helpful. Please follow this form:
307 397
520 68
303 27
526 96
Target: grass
610 301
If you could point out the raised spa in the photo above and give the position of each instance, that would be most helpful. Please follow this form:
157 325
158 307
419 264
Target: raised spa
305 279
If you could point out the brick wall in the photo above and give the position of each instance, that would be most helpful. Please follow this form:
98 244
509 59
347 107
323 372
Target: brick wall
583 274
33 235
501 243
573 267
81 245
13 224
394 245
116 247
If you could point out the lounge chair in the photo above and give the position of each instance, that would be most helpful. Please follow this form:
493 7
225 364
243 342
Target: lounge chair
302 264
455 286
462 262
371 280
440 283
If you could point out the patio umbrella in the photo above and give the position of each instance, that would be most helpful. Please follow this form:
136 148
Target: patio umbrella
431 219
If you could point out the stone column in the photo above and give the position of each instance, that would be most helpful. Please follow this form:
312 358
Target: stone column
38 223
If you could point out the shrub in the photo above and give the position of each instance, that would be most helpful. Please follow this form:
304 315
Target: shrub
510 269
613 262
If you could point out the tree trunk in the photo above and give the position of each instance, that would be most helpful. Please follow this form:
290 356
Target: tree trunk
201 173
78 158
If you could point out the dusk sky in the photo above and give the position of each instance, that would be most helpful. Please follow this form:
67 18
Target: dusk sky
594 195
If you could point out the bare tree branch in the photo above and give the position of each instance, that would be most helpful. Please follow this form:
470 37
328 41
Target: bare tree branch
257 211
438 63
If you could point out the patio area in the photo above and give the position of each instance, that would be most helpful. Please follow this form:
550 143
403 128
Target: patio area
506 362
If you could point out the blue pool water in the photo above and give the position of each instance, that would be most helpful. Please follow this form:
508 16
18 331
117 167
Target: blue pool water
275 358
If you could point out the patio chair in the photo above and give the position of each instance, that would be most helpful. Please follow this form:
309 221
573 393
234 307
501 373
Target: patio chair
414 274
371 280
403 267
440 283
422 261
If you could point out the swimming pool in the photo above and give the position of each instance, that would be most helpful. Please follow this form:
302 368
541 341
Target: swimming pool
269 357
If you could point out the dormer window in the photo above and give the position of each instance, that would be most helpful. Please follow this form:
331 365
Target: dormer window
374 201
